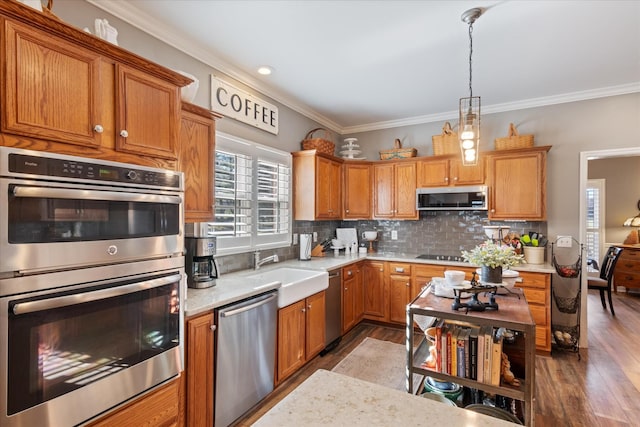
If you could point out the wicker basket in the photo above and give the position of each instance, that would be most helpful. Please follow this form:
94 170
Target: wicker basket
322 145
398 152
514 140
447 143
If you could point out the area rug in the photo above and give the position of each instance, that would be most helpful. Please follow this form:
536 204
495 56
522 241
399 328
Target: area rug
379 362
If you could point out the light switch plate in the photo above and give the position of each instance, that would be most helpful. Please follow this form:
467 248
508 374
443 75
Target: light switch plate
564 241
315 236
394 234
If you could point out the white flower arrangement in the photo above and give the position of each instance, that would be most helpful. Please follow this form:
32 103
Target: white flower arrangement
493 255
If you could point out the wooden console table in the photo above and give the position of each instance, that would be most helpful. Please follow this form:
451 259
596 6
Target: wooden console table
627 270
513 314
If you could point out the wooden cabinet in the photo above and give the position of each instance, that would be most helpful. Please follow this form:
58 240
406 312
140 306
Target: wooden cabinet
442 172
317 186
518 184
394 193
375 293
399 291
199 370
69 92
537 290
627 269
301 333
158 408
352 296
357 190
422 275
147 114
196 160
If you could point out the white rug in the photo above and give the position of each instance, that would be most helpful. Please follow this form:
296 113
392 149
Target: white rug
379 362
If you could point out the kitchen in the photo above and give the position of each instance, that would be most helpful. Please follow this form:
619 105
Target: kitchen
562 197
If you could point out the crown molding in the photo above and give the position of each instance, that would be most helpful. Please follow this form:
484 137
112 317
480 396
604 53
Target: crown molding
168 35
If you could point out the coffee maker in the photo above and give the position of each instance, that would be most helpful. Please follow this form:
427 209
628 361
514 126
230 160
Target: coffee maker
200 265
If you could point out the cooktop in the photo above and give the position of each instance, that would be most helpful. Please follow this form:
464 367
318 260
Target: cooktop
454 258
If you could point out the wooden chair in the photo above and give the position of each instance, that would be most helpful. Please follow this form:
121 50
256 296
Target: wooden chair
603 282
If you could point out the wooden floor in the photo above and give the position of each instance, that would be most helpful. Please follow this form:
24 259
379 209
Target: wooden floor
600 389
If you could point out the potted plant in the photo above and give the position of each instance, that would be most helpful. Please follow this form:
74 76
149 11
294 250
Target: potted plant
492 258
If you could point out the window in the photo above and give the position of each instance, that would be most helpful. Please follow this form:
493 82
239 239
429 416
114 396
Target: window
252 191
595 220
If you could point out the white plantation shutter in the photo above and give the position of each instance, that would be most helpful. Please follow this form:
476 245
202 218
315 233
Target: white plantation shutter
595 220
252 192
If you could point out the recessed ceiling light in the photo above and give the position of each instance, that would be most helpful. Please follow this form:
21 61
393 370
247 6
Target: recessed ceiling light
265 70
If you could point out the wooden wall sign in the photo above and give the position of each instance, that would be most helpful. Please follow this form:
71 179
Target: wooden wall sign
233 102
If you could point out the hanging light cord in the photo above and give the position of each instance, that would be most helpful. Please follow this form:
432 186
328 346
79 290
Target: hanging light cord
470 55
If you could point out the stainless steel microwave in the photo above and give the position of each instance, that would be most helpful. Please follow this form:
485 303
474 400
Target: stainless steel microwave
452 198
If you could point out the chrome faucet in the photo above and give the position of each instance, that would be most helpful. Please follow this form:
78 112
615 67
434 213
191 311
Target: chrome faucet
257 262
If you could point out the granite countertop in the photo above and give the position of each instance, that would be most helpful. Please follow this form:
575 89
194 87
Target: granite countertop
239 285
328 398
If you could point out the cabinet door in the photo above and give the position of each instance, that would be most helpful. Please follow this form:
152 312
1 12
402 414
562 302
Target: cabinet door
358 294
315 325
399 297
433 173
148 114
357 191
375 299
53 88
383 196
197 150
467 175
291 338
348 298
328 192
518 186
199 371
405 191
422 275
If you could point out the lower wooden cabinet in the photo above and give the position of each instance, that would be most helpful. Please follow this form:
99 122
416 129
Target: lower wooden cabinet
422 275
199 370
537 291
627 269
352 296
156 409
399 291
301 333
375 295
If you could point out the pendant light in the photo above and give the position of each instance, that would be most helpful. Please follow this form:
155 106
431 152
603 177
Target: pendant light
469 108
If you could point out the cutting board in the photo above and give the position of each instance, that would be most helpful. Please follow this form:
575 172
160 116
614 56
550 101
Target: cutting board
347 235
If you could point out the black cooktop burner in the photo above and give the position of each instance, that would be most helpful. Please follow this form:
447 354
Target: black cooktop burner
442 257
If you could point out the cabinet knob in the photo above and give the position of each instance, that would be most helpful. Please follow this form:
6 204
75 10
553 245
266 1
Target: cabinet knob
349 273
98 129
124 133
381 269
446 178
347 210
408 284
346 289
493 210
213 327
455 178
309 306
303 310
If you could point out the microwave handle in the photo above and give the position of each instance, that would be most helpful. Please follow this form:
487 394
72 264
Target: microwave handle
68 193
63 301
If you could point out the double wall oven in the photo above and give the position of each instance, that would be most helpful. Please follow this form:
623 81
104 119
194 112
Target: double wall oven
92 285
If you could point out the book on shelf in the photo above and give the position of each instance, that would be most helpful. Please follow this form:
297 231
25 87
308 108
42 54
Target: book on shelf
473 352
462 358
496 358
486 360
438 345
453 348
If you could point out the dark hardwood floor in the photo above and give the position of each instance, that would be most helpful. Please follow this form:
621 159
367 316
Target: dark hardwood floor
600 389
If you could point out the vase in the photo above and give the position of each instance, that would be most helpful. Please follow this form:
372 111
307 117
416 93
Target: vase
490 274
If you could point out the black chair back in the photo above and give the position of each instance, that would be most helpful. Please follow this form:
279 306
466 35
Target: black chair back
609 262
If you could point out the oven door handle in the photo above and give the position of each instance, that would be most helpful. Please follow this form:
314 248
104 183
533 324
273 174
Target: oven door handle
69 193
63 301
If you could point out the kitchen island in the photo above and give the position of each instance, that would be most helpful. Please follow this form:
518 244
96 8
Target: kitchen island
328 398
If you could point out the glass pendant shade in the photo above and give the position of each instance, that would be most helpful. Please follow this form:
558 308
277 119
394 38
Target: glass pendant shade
469 128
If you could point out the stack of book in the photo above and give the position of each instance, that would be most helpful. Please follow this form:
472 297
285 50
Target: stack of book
473 352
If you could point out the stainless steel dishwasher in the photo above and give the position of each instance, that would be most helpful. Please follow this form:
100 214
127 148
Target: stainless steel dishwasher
333 312
246 351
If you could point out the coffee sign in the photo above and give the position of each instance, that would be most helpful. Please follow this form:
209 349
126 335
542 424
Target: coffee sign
242 106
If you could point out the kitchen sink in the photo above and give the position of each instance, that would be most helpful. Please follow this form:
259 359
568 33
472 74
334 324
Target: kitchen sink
296 283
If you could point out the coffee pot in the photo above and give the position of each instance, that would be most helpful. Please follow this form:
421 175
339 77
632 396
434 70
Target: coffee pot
200 264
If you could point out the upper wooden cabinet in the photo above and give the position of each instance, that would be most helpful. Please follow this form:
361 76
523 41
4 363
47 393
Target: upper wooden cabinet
443 172
518 184
317 186
147 115
394 190
196 160
357 190
69 92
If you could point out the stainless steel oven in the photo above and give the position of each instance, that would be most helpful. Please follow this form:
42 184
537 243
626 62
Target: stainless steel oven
92 285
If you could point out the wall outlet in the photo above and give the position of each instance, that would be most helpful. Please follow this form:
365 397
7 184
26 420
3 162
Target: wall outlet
295 238
315 236
394 234
564 241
